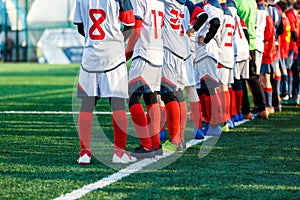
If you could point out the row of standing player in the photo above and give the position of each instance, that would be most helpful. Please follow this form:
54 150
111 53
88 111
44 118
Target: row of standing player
161 62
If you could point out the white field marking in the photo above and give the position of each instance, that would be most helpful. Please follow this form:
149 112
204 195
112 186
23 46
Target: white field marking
53 112
80 192
50 112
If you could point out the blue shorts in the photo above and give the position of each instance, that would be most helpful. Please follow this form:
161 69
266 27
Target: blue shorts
267 68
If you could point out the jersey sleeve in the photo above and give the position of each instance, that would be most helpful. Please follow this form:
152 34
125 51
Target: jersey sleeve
126 15
139 9
77 13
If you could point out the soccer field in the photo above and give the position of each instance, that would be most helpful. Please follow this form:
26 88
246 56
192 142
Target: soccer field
257 160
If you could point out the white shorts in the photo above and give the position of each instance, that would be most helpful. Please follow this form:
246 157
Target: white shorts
186 74
225 75
206 68
143 77
171 79
109 84
241 70
258 60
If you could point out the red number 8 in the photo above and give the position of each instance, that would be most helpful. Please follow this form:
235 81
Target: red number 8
96 24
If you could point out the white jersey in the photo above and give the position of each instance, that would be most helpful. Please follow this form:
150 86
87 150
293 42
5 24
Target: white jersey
226 57
212 49
104 42
149 46
260 29
241 45
174 30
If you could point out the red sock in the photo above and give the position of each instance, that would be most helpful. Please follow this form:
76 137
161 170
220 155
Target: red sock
222 97
163 117
233 111
139 120
227 106
153 113
120 124
196 114
85 121
204 114
239 99
207 108
216 112
183 116
173 120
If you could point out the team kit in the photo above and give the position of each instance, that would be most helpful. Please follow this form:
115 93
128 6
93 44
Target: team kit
205 56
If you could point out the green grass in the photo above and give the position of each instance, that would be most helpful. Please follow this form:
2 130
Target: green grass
258 160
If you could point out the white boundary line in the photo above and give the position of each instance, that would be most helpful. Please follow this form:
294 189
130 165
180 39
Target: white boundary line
135 167
49 112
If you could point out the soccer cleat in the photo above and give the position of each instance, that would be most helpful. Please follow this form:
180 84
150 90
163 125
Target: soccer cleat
270 110
285 97
293 101
141 152
230 124
169 146
163 135
235 118
214 131
241 116
248 116
198 134
181 147
126 158
84 157
264 114
159 151
225 128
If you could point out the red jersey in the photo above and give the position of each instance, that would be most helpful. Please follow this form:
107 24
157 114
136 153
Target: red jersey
285 38
270 53
290 14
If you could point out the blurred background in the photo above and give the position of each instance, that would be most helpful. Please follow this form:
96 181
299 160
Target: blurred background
39 31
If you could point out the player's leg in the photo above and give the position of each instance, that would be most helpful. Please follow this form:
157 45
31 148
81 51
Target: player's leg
255 87
140 123
237 88
183 116
195 108
85 128
154 120
120 126
267 86
173 121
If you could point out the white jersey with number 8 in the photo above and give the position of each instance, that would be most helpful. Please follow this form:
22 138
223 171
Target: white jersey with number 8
104 41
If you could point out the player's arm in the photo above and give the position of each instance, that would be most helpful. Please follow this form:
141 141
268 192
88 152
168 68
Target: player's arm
133 37
245 30
214 23
80 29
126 16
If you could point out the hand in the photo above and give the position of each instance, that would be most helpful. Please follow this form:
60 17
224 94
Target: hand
201 40
191 32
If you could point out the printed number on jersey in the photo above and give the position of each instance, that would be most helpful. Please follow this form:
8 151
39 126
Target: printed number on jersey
97 16
176 21
158 19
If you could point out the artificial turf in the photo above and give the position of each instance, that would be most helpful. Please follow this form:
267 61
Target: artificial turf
257 160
